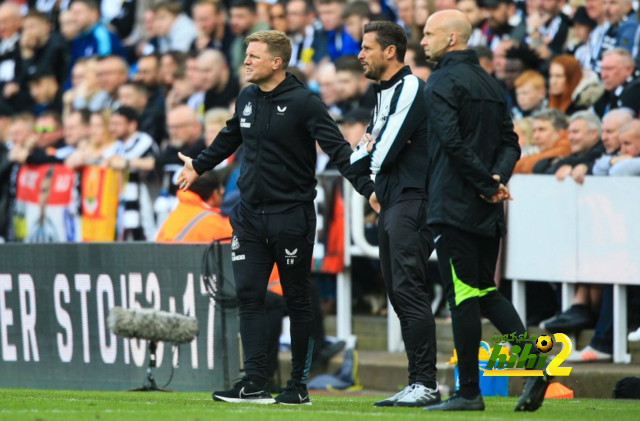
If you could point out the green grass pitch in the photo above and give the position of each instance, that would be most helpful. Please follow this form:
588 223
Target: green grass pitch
52 405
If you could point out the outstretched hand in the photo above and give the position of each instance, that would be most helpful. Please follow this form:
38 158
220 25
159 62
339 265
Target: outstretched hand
188 175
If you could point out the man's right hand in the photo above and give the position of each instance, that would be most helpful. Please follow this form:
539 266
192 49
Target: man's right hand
499 196
373 201
188 175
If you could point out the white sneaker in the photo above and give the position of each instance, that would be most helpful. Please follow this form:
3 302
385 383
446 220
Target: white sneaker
635 336
588 354
420 396
393 399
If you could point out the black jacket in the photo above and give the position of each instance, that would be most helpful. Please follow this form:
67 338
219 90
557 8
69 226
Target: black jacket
551 165
626 95
279 130
398 118
470 138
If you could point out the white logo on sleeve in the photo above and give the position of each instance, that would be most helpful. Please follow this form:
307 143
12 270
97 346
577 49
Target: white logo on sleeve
247 110
291 256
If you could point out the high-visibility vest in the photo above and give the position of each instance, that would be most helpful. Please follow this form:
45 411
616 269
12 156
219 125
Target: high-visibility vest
193 221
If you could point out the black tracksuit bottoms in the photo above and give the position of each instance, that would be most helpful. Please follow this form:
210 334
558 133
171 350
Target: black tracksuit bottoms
259 241
405 247
467 265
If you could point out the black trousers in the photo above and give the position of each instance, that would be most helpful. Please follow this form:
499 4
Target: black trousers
405 247
259 241
467 266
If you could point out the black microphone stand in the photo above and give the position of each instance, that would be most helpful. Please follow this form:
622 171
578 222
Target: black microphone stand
149 383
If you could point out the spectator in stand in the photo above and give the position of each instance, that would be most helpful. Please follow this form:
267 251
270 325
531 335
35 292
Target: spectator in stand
50 145
628 162
497 27
572 89
485 57
611 124
622 89
93 37
332 41
220 86
152 118
300 17
76 127
420 14
354 124
12 93
136 155
214 121
595 11
181 91
582 27
148 73
84 85
278 17
68 28
185 136
197 217
44 89
524 130
551 34
40 47
352 88
171 63
549 135
586 147
195 81
111 72
244 22
530 94
519 59
355 15
500 59
326 77
622 27
475 14
22 136
416 59
148 41
210 18
99 146
175 31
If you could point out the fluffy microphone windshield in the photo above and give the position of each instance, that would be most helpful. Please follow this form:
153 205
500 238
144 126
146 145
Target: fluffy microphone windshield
153 325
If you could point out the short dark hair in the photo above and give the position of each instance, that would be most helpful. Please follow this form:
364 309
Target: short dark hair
91 4
85 115
35 14
332 1
389 33
140 87
128 113
483 52
218 6
557 118
308 5
51 114
206 184
173 7
349 63
358 8
244 4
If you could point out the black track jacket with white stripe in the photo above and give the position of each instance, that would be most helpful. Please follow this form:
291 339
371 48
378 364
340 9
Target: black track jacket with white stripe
399 127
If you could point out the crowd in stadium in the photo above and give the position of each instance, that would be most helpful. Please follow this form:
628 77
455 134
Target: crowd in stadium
98 97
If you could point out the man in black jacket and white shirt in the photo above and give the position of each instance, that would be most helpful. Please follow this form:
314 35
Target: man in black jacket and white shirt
394 149
472 153
278 121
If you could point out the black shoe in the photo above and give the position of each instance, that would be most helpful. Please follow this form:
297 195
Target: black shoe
294 394
533 393
458 403
244 390
574 319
